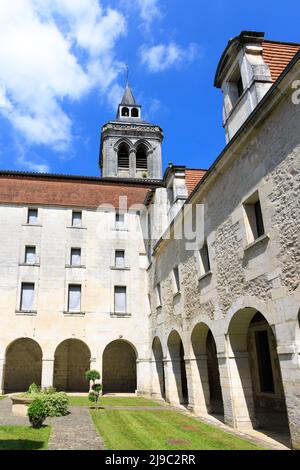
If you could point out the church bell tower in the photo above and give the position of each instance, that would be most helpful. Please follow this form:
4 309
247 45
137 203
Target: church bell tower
130 147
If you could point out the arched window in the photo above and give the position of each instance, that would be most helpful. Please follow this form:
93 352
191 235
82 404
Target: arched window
141 158
134 113
125 112
123 157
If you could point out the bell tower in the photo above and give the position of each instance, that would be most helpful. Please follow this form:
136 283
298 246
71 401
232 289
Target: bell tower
130 147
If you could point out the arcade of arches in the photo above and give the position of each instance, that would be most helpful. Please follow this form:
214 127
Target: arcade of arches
248 380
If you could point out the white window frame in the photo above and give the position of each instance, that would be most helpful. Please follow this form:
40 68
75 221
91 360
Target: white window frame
204 259
176 280
250 218
23 284
27 248
71 256
73 310
116 258
30 210
76 225
116 310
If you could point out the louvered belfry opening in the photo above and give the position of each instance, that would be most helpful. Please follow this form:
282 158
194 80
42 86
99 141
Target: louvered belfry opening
141 158
123 157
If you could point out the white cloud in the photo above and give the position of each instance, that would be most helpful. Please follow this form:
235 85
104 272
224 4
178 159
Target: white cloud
31 163
149 11
50 51
114 96
163 56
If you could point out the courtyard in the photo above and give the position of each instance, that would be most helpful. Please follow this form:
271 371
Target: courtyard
120 423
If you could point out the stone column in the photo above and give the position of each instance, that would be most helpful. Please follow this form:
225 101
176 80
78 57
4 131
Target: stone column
289 360
237 391
143 375
47 373
199 396
132 164
173 381
157 377
2 373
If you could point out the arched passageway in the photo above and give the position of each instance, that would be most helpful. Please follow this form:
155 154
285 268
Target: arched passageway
207 385
119 368
256 372
159 366
71 360
23 365
176 352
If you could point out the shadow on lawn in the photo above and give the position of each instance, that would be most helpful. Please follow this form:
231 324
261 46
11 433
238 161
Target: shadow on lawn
20 444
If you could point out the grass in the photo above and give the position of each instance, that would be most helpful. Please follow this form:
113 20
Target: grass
111 401
2 397
24 438
161 430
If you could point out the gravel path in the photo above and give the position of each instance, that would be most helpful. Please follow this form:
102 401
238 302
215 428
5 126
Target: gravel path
73 432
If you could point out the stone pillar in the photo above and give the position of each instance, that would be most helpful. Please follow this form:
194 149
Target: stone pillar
289 360
47 373
157 378
2 373
199 396
237 391
132 164
143 376
173 381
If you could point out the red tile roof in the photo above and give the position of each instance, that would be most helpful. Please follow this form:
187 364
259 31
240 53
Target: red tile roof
278 55
192 178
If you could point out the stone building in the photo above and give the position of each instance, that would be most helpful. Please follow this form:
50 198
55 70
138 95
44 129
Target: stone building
94 274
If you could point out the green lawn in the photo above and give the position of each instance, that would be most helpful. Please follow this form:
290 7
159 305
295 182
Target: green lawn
161 430
24 438
112 401
2 397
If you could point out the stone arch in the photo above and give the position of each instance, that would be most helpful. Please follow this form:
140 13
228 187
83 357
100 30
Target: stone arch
23 365
135 113
72 359
258 394
119 373
176 354
206 374
123 156
125 112
159 371
142 157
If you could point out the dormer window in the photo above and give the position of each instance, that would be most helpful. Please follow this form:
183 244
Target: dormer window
236 87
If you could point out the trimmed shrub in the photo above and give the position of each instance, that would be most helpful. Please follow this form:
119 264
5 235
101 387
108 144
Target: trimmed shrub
92 375
56 404
37 413
49 390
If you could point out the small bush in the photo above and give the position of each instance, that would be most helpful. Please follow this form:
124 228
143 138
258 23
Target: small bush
49 390
33 388
37 413
56 404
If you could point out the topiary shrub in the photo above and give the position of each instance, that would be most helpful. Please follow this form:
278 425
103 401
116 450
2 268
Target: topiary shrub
37 413
56 404
33 388
94 394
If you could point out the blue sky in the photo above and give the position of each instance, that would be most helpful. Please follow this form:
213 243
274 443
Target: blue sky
63 70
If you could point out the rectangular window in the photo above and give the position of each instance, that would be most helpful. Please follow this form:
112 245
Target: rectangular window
74 298
120 219
32 216
76 218
120 259
176 280
158 295
264 361
75 257
120 299
30 255
204 260
240 86
27 296
254 219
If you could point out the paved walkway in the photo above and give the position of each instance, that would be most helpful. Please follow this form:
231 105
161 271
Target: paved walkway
73 432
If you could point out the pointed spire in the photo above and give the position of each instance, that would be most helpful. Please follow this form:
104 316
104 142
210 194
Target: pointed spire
128 98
